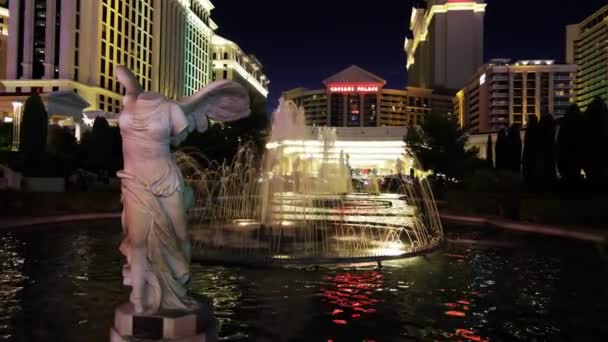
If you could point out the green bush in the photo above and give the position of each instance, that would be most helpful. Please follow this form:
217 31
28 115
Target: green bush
33 136
6 133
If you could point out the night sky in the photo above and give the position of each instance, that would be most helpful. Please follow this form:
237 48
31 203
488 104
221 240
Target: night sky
300 43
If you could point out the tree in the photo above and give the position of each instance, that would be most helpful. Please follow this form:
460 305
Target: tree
502 150
61 142
5 135
596 129
252 131
99 148
546 156
570 147
33 136
490 152
514 148
440 146
530 154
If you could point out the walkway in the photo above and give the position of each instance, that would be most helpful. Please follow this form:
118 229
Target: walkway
10 223
579 233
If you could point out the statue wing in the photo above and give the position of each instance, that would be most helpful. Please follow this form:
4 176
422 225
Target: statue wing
128 80
222 101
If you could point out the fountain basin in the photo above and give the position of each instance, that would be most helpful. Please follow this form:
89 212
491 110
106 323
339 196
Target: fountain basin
317 229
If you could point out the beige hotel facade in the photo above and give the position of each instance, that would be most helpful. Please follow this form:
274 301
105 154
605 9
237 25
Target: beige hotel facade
355 97
502 93
446 43
587 47
67 51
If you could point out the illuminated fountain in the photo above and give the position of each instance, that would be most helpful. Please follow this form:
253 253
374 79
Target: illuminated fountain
301 207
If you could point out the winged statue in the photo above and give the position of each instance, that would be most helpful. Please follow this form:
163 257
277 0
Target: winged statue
156 243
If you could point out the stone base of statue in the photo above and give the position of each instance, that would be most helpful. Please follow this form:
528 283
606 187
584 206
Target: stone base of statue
195 326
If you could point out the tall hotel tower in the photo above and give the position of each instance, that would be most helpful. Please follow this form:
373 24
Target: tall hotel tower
74 45
446 47
587 47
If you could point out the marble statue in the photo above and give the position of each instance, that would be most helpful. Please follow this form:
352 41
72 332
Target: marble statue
156 242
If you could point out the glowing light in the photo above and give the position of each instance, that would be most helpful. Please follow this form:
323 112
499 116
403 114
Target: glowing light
390 249
88 121
353 88
455 313
17 113
8 119
482 79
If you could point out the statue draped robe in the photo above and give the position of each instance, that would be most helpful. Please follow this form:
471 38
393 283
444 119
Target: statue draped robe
152 185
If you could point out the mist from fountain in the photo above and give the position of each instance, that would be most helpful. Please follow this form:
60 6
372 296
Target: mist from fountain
300 206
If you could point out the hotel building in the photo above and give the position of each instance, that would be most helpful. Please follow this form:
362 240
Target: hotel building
231 63
67 51
502 93
73 45
4 15
355 97
587 47
183 49
446 43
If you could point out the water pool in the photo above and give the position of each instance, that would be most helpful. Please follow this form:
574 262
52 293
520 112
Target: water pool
62 282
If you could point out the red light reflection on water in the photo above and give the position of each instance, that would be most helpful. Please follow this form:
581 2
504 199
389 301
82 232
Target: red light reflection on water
470 335
351 294
454 313
458 309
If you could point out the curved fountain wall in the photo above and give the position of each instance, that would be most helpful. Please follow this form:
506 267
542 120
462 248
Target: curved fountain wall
299 209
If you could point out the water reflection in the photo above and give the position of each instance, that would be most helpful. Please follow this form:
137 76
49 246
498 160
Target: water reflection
351 295
11 281
63 284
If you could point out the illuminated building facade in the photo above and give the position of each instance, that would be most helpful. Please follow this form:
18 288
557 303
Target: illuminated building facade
502 93
355 97
74 45
446 45
587 47
183 49
4 17
231 63
380 150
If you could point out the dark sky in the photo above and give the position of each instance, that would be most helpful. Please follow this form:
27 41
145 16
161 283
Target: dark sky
300 43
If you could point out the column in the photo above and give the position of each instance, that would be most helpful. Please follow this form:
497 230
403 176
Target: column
17 113
49 55
551 95
361 113
512 97
13 40
378 109
78 129
67 38
345 110
28 39
524 95
537 94
156 42
328 107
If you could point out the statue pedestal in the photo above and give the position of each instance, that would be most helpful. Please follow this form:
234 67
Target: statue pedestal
196 326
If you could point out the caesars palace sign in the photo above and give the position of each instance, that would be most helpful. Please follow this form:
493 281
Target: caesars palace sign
354 88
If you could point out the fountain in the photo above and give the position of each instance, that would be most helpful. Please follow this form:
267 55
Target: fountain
300 207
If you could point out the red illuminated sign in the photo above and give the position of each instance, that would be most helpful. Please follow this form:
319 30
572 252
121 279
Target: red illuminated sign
354 88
